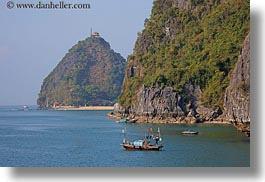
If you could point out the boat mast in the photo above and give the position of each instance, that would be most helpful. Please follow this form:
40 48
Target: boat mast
124 135
159 135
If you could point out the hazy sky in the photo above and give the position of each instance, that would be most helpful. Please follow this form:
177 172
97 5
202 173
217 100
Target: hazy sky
33 42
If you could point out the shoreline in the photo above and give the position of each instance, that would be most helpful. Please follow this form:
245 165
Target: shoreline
187 123
141 120
83 108
243 127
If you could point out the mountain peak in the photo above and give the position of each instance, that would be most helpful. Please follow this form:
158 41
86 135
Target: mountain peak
91 73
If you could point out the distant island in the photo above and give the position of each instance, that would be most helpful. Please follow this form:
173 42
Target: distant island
90 74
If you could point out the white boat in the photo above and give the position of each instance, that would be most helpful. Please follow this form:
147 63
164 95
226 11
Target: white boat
189 132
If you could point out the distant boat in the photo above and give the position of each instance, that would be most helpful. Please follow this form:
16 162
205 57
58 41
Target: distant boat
122 120
25 108
111 115
150 142
125 120
189 132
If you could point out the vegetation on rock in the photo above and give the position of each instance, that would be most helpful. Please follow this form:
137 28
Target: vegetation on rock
91 73
196 43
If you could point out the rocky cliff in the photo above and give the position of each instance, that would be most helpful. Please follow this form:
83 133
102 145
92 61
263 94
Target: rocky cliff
91 73
182 61
237 95
187 43
159 104
164 105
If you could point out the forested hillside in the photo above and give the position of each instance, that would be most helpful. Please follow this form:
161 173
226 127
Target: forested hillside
193 42
91 73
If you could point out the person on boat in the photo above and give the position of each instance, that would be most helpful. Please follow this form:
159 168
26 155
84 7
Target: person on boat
156 139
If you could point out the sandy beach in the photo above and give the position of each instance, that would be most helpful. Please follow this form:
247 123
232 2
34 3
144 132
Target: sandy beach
84 108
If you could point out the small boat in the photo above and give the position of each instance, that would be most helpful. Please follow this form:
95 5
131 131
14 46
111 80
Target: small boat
150 142
123 120
189 132
25 108
111 115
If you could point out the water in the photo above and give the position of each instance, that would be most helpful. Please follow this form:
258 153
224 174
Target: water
89 139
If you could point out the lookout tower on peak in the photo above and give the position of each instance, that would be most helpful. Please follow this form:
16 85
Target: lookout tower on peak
95 34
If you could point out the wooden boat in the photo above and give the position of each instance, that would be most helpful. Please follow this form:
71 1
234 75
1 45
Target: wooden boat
189 132
150 142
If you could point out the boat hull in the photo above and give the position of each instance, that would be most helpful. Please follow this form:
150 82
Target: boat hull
147 148
190 132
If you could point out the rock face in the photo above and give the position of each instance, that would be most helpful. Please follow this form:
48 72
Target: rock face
164 105
159 103
91 73
237 95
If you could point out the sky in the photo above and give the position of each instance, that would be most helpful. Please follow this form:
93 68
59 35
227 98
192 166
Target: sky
33 42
